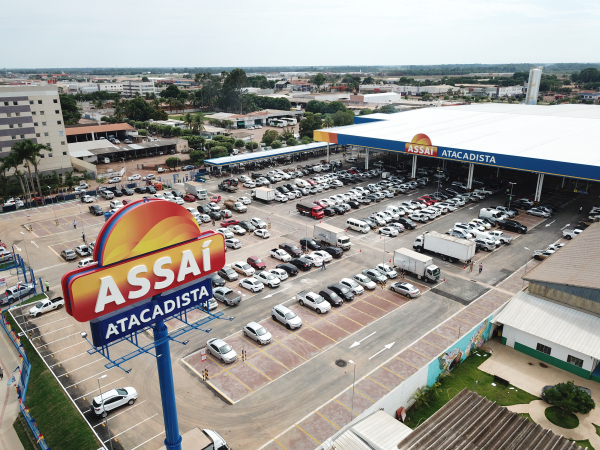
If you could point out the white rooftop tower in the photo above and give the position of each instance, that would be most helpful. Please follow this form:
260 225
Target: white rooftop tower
533 86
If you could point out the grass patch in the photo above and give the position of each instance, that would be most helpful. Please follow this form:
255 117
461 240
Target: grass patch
527 416
24 433
465 376
584 444
33 299
56 416
560 418
7 265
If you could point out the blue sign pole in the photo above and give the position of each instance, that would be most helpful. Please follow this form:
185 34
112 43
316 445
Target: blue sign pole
167 388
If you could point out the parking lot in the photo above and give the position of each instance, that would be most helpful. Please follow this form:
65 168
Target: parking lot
253 401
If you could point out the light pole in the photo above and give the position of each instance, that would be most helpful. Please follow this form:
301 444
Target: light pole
383 255
353 384
82 223
103 412
511 192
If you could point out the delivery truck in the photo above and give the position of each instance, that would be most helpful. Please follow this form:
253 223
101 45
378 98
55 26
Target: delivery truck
419 265
449 248
263 194
328 234
196 189
314 211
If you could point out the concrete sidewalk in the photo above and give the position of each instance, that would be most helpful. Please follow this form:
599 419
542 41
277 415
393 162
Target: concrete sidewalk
9 360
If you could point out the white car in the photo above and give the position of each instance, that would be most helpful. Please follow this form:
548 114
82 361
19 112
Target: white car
177 200
237 229
258 223
249 184
112 399
159 196
214 207
280 197
449 206
233 243
279 273
87 199
85 262
286 316
314 259
244 200
388 231
387 270
243 268
81 187
205 218
168 195
481 223
268 279
419 217
364 281
221 350
226 232
264 234
356 288
323 255
114 180
258 333
115 204
134 177
252 284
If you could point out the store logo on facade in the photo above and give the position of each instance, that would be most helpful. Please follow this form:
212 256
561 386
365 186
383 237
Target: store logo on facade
421 145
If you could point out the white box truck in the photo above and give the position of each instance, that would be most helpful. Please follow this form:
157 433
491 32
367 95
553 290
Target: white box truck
263 194
420 265
449 248
196 189
331 235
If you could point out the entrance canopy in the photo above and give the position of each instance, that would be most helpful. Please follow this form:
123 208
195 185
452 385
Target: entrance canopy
260 154
559 140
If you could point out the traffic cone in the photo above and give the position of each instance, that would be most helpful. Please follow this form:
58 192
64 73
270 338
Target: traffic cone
464 267
360 251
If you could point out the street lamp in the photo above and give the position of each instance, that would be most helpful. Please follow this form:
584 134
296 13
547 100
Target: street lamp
511 192
353 384
104 412
82 222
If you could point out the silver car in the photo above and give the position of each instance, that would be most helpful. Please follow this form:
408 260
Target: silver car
258 333
356 288
405 289
375 275
386 270
227 295
364 281
221 350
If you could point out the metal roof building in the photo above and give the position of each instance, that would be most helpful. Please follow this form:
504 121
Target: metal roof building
471 422
561 140
258 155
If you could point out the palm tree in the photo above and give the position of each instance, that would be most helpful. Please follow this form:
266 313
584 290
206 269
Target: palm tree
328 122
118 109
172 102
198 123
34 159
180 104
188 120
23 151
8 163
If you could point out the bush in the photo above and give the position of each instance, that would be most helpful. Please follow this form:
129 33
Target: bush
143 132
570 398
276 144
238 143
291 142
173 162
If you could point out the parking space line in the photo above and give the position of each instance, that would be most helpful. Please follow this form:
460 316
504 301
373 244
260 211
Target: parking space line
139 423
377 382
88 393
365 395
403 360
308 434
49 323
241 382
327 419
279 444
122 412
391 371
145 442
50 332
99 373
73 357
81 367
442 349
49 354
48 343
336 400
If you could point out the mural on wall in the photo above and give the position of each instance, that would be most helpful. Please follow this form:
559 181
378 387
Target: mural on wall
453 356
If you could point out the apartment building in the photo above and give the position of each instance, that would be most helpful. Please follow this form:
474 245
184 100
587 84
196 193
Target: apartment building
34 112
131 88
111 87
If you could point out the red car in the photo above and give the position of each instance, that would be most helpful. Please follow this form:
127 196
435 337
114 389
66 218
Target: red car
256 263
425 201
125 202
353 171
430 199
321 204
310 181
190 198
228 222
215 199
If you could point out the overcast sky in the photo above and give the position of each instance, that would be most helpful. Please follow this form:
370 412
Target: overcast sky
200 33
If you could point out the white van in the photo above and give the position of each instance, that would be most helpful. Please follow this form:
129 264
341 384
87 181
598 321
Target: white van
485 235
489 213
395 210
106 160
358 225
301 183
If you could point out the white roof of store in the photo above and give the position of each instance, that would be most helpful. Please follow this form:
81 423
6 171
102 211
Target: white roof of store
378 431
84 148
259 154
565 326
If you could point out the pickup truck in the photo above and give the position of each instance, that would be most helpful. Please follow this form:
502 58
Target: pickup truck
570 234
236 206
313 301
227 187
13 293
280 254
43 306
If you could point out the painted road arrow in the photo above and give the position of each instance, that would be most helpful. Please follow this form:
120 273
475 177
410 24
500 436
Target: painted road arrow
358 342
548 224
17 247
34 244
385 347
567 225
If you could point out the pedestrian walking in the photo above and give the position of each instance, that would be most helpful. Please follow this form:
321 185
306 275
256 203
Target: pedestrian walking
47 286
1 373
213 222
580 209
74 224
83 236
323 266
471 267
480 267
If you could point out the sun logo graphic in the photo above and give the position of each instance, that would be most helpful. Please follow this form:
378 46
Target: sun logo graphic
421 145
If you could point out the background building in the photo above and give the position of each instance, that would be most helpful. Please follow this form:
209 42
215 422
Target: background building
34 112
131 88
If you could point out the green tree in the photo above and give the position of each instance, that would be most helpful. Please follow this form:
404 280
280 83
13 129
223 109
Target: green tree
310 123
291 142
197 156
387 109
269 136
368 80
173 162
570 398
143 132
172 91
365 112
276 144
315 107
342 118
230 95
70 112
145 79
238 143
319 80
306 140
218 152
251 146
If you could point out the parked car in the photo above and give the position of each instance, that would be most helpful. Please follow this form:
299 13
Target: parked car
243 268
252 284
290 269
96 210
406 289
331 297
257 333
302 264
356 288
286 316
343 291
228 273
227 295
113 399
256 262
221 350
68 254
375 275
